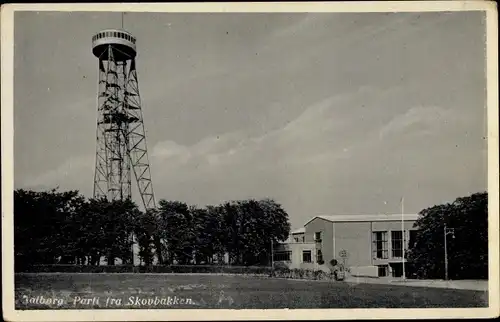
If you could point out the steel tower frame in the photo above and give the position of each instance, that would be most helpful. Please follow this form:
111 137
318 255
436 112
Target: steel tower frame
121 139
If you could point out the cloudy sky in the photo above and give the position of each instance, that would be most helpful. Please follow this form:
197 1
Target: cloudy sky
326 113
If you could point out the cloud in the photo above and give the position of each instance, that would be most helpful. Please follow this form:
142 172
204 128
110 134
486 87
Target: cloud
207 148
316 136
69 174
420 120
332 152
327 113
307 165
170 149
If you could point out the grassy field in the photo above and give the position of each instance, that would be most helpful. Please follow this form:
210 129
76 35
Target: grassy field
143 291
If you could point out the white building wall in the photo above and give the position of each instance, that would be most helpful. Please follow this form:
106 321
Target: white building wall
296 256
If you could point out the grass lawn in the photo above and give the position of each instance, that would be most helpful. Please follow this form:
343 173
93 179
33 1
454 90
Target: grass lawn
143 291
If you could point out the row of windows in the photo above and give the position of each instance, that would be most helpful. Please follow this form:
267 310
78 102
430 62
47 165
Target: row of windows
283 256
317 238
115 34
286 256
380 244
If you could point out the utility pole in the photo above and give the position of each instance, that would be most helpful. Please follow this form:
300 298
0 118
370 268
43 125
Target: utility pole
403 235
446 232
272 254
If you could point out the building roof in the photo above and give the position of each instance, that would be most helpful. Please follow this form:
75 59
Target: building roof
299 231
364 218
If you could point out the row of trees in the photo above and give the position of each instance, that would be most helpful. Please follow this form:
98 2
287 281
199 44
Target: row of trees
64 227
466 220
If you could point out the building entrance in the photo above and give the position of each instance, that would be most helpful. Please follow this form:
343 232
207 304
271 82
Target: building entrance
397 269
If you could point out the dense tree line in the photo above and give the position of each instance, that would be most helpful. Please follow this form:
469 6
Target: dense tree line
66 228
467 240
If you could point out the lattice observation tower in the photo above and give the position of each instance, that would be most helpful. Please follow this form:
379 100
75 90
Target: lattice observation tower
121 147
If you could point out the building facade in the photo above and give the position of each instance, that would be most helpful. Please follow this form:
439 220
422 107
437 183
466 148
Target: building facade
368 245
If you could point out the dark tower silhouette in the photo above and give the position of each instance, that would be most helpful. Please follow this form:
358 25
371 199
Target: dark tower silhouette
121 139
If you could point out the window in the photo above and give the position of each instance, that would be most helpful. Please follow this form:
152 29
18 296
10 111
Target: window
319 256
285 256
380 249
296 239
306 256
317 236
303 239
382 270
397 243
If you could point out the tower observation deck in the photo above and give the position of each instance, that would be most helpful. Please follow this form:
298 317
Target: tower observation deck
122 42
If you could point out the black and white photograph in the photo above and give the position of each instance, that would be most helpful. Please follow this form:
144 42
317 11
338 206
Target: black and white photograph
202 159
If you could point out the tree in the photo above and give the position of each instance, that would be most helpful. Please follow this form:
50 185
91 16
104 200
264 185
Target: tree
276 225
215 232
205 234
43 226
106 229
265 223
63 227
178 230
251 226
147 232
467 247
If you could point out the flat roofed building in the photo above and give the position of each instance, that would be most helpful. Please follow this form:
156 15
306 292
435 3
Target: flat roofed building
369 245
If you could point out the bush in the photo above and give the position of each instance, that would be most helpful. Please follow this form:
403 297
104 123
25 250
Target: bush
281 272
250 270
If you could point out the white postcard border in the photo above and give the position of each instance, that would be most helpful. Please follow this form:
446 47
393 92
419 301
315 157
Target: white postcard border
7 38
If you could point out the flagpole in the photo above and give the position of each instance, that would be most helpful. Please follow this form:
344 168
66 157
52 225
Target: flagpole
403 234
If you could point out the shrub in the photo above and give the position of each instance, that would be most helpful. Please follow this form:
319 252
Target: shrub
281 272
250 270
